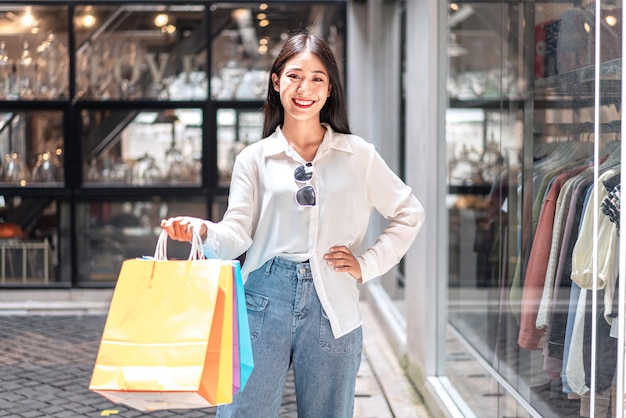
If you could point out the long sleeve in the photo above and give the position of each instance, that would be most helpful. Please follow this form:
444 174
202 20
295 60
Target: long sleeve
393 200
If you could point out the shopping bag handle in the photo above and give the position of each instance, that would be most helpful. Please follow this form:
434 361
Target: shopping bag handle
195 253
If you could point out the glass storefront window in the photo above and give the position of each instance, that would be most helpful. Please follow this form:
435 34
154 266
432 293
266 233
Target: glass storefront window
236 129
533 138
253 33
126 101
111 232
144 51
154 147
34 63
30 254
31 146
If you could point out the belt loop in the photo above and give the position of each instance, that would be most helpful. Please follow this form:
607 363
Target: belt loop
268 266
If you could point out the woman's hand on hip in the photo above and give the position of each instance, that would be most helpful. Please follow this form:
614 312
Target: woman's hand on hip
341 259
180 227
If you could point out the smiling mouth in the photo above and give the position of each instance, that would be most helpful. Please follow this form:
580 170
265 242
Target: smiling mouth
303 103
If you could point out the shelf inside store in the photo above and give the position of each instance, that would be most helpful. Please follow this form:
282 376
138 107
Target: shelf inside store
142 104
469 189
125 192
22 105
574 89
486 103
581 82
34 189
586 128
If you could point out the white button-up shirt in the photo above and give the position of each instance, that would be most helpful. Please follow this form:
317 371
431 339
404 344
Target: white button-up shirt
350 179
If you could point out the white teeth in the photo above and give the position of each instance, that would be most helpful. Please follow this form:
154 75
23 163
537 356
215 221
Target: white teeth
303 102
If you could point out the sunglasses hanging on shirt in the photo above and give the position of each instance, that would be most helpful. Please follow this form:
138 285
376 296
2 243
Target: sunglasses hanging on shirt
305 196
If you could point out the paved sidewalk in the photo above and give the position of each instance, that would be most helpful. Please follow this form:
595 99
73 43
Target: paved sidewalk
46 363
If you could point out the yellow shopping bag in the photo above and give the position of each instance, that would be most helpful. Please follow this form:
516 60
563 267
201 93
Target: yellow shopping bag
167 340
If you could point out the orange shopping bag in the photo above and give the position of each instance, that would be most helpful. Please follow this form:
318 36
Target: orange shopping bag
167 341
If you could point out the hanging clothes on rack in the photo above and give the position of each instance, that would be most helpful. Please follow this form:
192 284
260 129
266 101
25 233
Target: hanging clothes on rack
530 336
553 160
582 275
556 319
559 207
554 350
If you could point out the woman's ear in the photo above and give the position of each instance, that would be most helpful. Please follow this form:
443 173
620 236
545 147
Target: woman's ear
330 89
275 82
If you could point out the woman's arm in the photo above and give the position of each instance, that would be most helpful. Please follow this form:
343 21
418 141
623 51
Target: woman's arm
394 200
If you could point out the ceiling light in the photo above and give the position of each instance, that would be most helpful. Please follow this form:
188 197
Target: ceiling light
263 41
261 16
240 13
611 20
88 21
454 6
27 18
169 29
263 23
161 20
263 6
262 49
587 27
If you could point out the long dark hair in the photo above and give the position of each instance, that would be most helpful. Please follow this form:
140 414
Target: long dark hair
334 111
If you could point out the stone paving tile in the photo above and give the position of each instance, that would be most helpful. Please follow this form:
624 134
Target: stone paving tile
46 363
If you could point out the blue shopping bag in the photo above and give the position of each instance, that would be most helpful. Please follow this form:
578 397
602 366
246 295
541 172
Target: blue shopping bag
246 360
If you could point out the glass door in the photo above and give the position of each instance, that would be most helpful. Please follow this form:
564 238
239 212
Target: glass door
534 135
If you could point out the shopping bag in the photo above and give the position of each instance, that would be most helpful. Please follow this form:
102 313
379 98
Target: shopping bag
246 360
167 341
220 349
236 355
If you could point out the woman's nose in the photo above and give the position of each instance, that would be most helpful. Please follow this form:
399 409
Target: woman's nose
303 87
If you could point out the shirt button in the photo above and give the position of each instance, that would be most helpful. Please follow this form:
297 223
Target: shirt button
301 270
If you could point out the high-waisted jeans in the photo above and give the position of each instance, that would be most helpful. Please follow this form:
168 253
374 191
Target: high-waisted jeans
289 327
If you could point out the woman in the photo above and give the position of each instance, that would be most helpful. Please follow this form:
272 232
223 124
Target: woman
299 206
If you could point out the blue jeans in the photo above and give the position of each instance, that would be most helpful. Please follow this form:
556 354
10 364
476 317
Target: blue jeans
288 327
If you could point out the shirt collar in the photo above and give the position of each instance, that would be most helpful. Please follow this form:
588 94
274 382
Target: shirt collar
277 143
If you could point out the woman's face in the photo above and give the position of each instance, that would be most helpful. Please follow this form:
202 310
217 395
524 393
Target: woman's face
304 86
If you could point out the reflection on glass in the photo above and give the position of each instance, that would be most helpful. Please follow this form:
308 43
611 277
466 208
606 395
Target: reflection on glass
153 148
259 81
127 69
124 53
243 51
236 129
95 72
111 232
26 73
15 170
33 55
48 168
52 68
31 146
6 71
231 76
